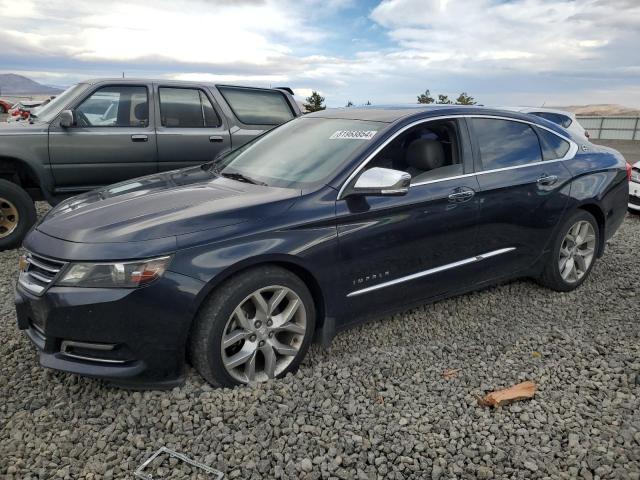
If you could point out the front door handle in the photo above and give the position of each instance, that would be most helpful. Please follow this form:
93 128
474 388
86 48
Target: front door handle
139 138
461 196
216 139
547 180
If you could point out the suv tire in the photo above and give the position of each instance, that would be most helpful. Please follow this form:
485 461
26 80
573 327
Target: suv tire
256 326
17 214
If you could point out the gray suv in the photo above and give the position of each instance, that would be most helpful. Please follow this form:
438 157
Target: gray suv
104 131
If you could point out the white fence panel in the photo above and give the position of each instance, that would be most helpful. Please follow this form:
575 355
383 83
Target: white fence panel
612 128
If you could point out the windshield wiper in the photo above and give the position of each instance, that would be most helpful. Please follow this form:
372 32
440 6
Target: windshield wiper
241 178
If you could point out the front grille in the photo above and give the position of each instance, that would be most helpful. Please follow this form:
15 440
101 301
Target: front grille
39 272
634 200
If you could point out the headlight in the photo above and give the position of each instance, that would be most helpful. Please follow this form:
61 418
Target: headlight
635 175
114 275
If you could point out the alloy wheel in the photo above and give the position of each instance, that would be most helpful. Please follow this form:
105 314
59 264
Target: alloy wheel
264 334
577 251
8 217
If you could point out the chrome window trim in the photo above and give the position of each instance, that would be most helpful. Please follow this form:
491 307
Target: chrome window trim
431 271
573 149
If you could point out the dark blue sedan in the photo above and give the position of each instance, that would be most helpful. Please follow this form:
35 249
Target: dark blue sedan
320 224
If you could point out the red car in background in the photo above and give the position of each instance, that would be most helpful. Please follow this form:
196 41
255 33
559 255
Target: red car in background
4 106
22 109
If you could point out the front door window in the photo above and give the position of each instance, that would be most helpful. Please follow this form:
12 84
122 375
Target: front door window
115 106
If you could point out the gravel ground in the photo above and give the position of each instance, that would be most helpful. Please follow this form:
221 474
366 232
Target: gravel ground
375 405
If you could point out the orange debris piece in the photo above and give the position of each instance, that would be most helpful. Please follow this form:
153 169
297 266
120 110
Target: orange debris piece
521 391
450 373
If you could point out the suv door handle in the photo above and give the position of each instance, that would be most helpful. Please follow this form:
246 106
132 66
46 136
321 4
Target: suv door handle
139 138
547 180
216 139
461 196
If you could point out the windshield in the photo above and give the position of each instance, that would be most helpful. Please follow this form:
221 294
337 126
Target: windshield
302 151
48 112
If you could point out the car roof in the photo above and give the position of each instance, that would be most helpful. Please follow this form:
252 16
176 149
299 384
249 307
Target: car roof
394 113
186 83
541 109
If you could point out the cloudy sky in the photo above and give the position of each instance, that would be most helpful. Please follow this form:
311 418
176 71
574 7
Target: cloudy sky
509 52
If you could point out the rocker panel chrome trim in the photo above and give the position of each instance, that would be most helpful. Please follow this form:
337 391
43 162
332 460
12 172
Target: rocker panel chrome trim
431 271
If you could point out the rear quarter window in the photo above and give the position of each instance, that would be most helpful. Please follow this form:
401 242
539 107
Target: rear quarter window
553 147
257 107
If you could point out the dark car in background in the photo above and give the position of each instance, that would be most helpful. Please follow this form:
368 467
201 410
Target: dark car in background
324 222
104 131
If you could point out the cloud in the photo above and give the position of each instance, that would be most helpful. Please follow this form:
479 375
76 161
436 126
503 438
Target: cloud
516 51
525 35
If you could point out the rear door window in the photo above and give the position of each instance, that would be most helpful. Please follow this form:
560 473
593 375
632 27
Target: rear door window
258 107
505 143
557 118
186 108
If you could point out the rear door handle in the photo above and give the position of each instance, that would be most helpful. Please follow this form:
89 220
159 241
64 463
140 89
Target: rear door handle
547 180
216 139
139 138
463 196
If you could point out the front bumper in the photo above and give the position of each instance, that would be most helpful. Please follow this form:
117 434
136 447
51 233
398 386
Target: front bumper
131 337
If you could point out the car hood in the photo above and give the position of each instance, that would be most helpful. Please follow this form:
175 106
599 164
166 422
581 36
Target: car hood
11 128
163 205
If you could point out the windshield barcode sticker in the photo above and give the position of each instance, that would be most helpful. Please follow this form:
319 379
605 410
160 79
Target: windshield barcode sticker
353 135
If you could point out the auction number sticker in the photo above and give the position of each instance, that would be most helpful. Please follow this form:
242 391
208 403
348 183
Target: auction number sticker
353 135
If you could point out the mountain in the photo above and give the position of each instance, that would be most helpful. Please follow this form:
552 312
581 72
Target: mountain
12 84
602 110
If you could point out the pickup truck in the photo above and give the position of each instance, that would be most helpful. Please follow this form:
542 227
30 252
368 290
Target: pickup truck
104 131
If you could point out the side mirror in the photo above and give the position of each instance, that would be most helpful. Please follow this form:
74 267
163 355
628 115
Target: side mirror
380 181
66 119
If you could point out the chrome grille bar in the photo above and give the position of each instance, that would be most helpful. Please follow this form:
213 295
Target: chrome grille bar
39 272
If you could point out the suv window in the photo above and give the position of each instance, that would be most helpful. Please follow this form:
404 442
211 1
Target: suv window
258 107
557 118
186 108
115 106
430 151
553 147
505 143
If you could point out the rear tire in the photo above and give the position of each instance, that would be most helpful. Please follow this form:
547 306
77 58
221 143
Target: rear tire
256 326
573 253
633 212
17 214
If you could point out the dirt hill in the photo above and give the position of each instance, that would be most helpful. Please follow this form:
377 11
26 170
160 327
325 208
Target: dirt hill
602 110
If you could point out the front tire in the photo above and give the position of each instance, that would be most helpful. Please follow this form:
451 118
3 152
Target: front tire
17 214
573 254
255 327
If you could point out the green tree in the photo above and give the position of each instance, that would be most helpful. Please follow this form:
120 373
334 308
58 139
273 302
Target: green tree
444 99
465 99
349 104
314 102
425 97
